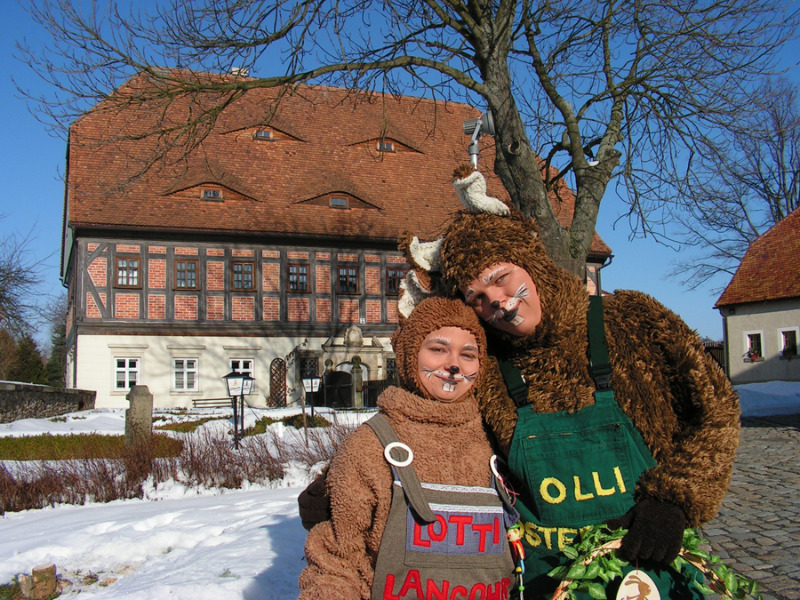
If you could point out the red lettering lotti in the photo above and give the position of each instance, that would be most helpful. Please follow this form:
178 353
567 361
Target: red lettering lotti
438 537
483 529
460 521
418 541
476 589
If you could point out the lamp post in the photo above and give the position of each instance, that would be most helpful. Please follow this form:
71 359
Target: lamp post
239 385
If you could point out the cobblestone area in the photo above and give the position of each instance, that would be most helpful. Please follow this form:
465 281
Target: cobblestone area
757 531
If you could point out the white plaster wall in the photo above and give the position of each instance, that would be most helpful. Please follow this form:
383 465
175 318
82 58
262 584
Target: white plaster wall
769 318
96 366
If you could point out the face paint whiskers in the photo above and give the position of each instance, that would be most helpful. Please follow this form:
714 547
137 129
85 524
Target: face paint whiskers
509 311
449 379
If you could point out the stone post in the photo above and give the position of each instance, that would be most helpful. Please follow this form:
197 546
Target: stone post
139 417
358 382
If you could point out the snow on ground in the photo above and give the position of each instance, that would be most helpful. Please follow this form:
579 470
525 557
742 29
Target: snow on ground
191 545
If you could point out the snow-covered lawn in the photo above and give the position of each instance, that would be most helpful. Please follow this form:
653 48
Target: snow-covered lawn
188 544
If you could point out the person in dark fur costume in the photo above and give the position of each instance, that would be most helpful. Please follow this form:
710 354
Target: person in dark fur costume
679 402
677 410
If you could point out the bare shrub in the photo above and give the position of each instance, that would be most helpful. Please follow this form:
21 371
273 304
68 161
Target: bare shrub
323 443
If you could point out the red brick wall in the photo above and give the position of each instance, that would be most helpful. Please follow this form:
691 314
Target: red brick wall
299 309
215 308
395 260
270 254
92 310
348 311
323 309
215 252
186 251
243 308
271 309
373 311
348 257
373 280
271 277
297 255
185 308
239 253
126 306
156 306
157 249
98 271
129 248
372 258
323 279
391 311
157 273
215 276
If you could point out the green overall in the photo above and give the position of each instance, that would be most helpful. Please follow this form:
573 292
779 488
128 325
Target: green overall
579 469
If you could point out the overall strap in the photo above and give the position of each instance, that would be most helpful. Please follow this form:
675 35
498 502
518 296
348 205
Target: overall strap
515 382
407 475
599 364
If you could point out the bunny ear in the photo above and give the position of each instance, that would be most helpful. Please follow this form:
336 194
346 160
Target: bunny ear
471 190
420 281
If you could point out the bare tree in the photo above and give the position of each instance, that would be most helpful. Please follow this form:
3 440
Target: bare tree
598 90
19 276
742 183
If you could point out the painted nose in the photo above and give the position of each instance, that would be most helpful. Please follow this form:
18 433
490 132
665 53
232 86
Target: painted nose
453 370
495 305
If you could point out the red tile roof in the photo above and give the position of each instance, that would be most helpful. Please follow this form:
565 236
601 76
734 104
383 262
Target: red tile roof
325 143
770 270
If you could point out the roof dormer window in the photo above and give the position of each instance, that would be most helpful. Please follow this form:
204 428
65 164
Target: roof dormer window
264 135
338 202
385 146
211 195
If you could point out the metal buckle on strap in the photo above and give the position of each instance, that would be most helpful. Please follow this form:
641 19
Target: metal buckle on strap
602 380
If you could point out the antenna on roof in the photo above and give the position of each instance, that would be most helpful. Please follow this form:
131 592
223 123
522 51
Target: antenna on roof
483 125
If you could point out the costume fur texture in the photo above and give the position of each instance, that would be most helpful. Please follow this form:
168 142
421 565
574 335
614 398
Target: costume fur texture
675 395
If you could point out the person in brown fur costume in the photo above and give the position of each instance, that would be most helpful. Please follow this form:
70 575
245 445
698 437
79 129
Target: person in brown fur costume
678 400
364 550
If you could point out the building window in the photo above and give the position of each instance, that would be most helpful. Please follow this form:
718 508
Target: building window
213 195
126 373
264 135
391 371
186 274
242 365
755 349
348 280
185 372
339 203
394 276
128 272
789 342
298 278
385 146
242 273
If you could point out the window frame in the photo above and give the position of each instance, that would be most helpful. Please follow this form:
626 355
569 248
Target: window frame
176 271
348 292
386 146
305 277
339 202
251 370
127 370
185 370
749 355
782 337
211 195
402 272
252 264
128 270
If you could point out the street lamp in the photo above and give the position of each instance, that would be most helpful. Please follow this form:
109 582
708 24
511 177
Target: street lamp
239 386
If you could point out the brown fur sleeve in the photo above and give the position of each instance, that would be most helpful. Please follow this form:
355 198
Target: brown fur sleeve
679 399
496 406
341 553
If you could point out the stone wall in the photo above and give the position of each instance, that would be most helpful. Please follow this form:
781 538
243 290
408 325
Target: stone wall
27 401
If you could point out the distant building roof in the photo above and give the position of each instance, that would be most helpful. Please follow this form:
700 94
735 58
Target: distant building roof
770 270
287 175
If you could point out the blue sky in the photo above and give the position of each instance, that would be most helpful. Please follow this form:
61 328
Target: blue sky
33 163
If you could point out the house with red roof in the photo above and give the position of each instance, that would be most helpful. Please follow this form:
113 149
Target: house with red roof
269 247
761 308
